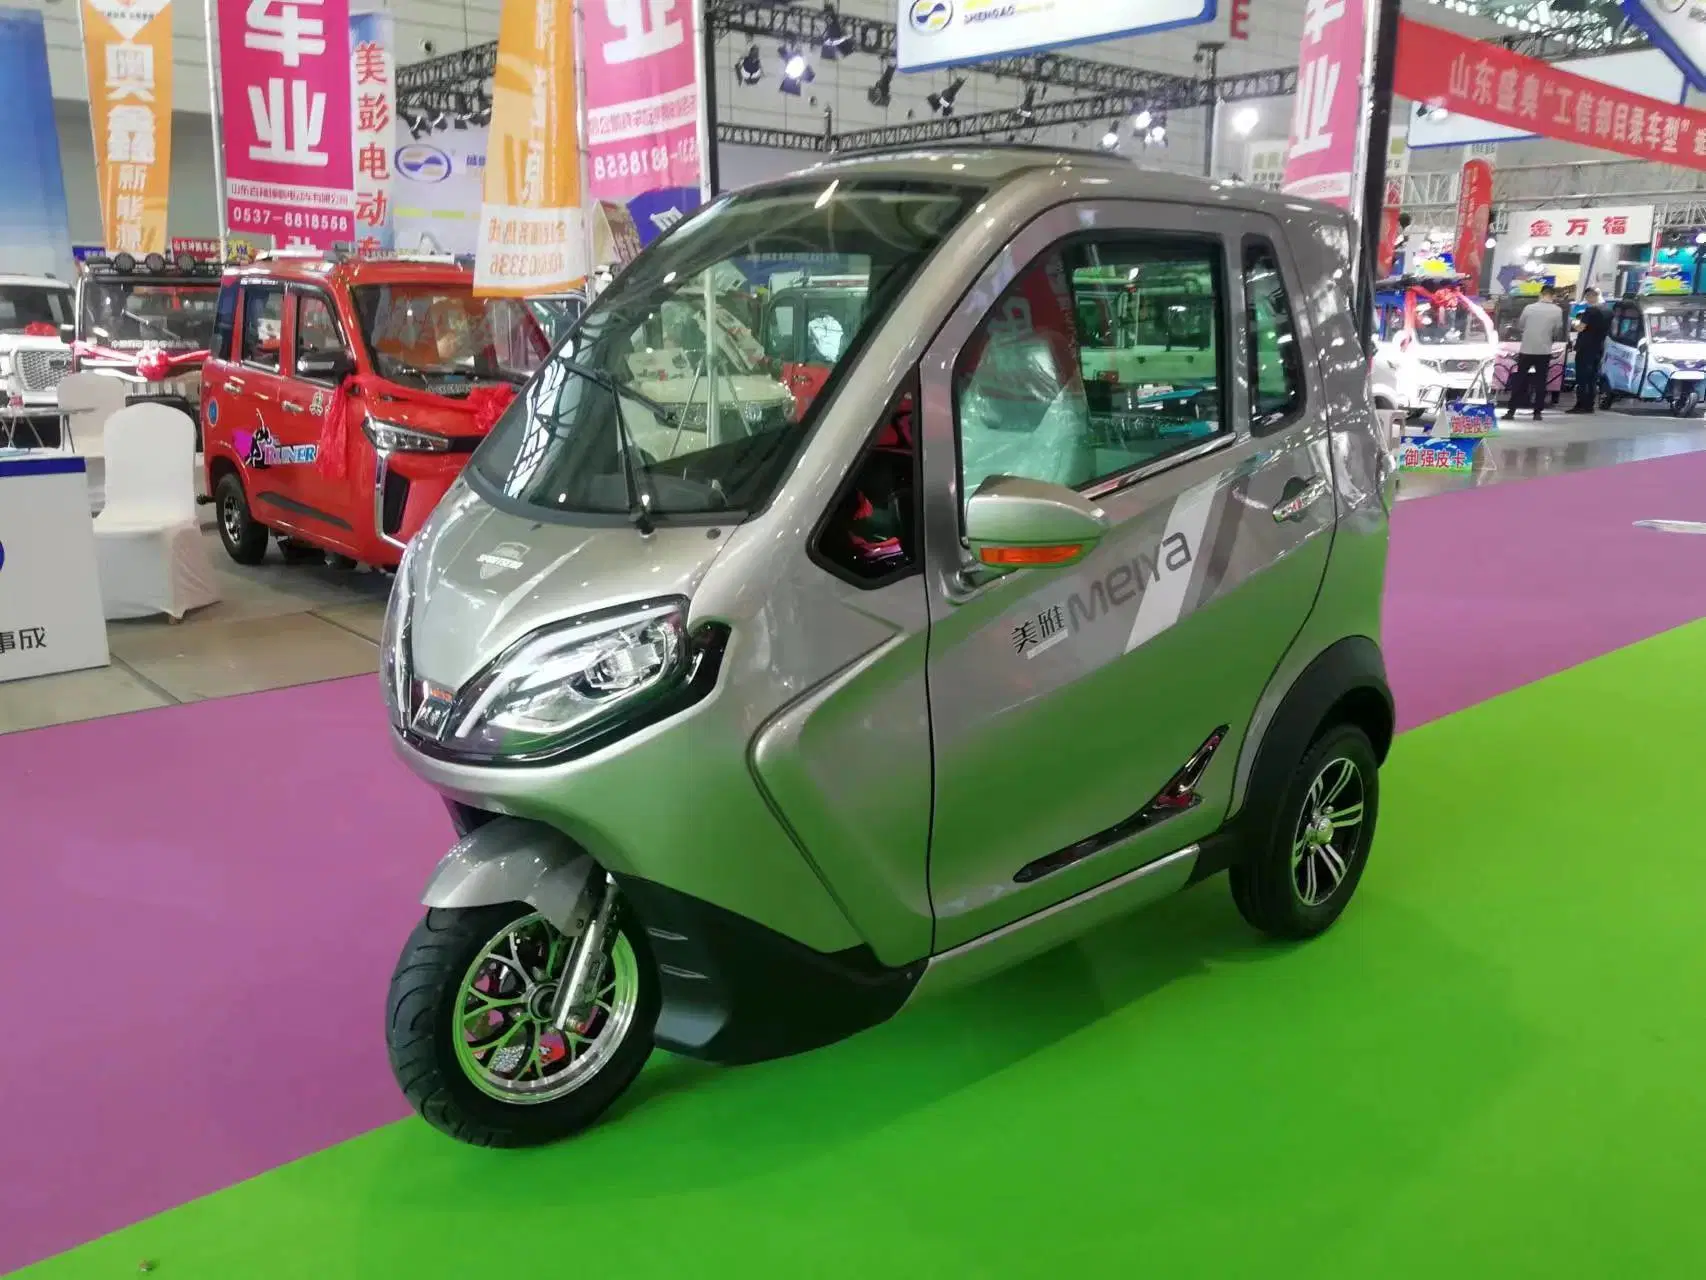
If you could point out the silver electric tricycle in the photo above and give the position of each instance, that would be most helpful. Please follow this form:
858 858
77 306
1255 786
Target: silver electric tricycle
773 685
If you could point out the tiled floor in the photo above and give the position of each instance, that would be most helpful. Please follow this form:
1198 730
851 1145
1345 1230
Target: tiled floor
281 624
276 625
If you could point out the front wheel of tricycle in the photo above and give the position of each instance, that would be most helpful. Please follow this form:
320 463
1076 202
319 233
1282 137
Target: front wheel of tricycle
471 1024
1684 404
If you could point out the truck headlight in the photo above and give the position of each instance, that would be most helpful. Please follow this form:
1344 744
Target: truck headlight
390 438
570 677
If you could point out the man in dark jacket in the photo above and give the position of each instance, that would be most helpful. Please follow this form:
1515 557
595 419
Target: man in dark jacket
1591 327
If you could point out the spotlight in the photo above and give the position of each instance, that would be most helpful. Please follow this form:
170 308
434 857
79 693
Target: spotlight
1141 121
796 71
836 42
481 115
1436 114
1245 122
1157 135
1026 111
1492 242
419 127
881 93
943 103
750 69
1111 139
1700 237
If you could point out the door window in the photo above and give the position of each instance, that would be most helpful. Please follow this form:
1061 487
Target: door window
1276 363
1626 326
1103 357
317 329
224 322
263 325
870 537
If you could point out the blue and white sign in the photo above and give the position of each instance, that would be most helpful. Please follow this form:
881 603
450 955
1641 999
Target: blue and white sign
941 33
1678 28
50 591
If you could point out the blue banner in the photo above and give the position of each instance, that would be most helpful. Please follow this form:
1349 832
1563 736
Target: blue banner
35 225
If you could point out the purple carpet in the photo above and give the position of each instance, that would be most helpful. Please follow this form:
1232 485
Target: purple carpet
203 903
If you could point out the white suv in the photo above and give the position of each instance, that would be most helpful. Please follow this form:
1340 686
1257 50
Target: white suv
35 316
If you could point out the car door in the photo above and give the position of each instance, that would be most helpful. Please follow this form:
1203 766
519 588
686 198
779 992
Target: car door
1063 701
1622 350
254 393
338 498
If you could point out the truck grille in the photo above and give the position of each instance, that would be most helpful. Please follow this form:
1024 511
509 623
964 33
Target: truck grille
41 370
1460 366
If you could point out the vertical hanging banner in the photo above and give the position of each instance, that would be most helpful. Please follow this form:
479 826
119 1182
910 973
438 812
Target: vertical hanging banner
533 233
34 224
284 89
1474 213
373 100
643 103
1327 111
127 47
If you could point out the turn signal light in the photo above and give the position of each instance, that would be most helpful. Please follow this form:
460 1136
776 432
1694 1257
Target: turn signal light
1018 556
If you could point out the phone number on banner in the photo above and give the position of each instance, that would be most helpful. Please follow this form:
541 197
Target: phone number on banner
642 161
542 264
263 219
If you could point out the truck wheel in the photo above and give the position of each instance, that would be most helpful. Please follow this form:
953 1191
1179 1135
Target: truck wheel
1296 885
244 537
470 1032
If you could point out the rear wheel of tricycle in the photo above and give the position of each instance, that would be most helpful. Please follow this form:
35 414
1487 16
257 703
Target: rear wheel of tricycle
244 537
471 1024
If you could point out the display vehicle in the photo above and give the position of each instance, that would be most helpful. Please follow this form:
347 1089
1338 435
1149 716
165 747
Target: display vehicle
149 323
343 397
1507 319
1440 341
755 731
1656 351
35 322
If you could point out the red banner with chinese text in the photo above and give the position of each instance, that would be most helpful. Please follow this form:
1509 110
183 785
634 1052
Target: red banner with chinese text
1487 82
1474 213
1326 118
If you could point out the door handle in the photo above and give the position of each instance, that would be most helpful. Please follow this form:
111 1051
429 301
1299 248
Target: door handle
1297 497
290 406
233 386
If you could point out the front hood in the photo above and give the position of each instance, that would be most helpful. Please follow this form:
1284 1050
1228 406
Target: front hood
484 578
1678 352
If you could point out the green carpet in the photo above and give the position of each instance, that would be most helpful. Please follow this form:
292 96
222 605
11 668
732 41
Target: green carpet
1491 1067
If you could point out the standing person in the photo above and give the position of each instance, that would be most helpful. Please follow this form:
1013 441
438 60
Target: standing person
1591 327
1541 324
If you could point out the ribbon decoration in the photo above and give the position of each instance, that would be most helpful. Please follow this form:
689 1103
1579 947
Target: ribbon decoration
1442 298
332 459
152 363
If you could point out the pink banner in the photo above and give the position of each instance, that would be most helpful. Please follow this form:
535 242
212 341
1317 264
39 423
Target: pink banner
642 96
1326 118
284 72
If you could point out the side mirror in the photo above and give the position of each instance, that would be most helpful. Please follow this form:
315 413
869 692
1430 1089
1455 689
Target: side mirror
324 366
68 333
1015 523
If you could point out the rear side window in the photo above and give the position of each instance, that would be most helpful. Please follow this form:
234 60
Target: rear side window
224 321
1276 364
263 325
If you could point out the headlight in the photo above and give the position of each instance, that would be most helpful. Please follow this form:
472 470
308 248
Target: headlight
391 438
1429 364
394 641
568 678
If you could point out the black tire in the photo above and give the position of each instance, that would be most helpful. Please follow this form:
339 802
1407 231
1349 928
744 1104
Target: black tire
1266 887
1606 396
338 560
244 537
1684 406
420 1026
295 552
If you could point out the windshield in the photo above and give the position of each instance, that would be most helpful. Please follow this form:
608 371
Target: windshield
443 339
127 314
37 310
665 398
1451 327
1677 323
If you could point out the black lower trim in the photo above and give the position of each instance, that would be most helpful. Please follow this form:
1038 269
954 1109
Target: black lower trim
735 991
300 508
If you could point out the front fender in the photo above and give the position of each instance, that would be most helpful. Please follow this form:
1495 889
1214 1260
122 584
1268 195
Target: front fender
514 860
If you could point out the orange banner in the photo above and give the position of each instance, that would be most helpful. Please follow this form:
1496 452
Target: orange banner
127 47
533 236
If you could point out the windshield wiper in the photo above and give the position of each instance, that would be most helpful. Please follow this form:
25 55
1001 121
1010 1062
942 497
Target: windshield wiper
639 508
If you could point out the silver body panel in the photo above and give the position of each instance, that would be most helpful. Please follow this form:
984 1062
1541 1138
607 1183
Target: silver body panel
860 774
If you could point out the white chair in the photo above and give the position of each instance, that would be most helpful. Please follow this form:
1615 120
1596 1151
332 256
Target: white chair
148 546
86 401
